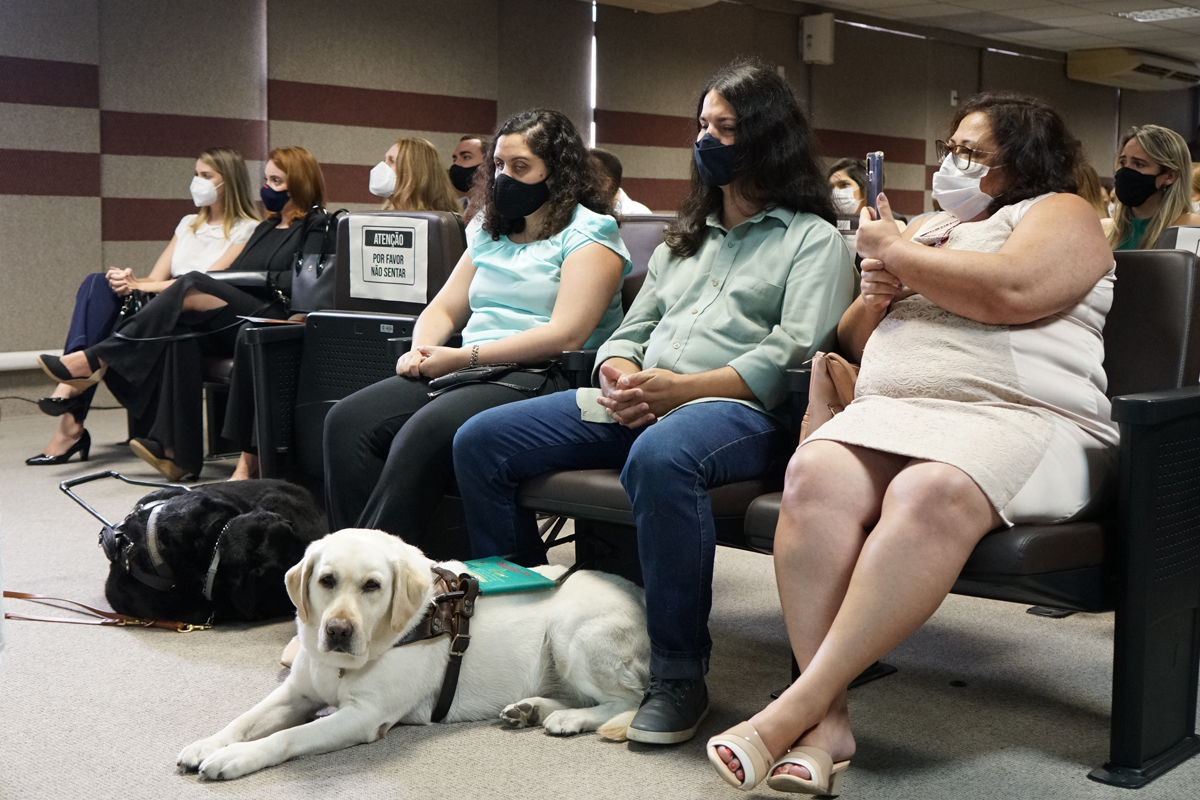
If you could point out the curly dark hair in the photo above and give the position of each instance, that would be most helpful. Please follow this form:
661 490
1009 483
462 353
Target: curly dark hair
570 175
1038 153
777 164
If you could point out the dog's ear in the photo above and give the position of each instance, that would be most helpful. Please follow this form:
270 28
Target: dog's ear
297 582
410 580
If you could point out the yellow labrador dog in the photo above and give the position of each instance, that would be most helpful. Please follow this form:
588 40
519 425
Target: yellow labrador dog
578 655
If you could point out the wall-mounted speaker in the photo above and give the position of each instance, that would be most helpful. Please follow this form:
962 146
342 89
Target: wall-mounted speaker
816 39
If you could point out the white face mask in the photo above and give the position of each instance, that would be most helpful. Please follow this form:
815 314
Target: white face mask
383 180
1112 207
957 191
204 192
844 200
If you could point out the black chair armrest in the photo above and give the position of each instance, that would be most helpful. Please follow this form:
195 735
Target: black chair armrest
578 364
399 346
244 278
275 352
270 334
1155 408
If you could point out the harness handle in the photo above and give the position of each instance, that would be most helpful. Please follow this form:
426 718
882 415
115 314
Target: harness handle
99 617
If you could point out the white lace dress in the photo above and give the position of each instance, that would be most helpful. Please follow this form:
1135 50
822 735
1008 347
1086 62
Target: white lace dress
1019 408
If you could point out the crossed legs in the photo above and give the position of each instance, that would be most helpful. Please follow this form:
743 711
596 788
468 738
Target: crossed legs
868 545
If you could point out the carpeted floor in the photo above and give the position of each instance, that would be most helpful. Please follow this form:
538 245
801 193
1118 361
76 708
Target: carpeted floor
989 701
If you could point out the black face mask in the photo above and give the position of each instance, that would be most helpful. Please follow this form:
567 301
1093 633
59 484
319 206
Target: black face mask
1133 187
461 177
716 162
517 200
273 200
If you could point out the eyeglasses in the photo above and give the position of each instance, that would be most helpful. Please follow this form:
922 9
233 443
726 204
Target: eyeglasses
962 156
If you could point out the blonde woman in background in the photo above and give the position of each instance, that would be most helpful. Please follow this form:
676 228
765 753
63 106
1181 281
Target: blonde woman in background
1195 188
412 178
1089 188
1153 187
211 239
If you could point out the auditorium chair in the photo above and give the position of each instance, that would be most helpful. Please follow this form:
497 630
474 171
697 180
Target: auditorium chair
1169 238
300 371
1141 558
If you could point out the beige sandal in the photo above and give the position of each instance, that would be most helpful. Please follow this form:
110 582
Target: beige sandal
748 748
826 775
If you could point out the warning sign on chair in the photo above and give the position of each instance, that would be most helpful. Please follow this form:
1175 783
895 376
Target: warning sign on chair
389 258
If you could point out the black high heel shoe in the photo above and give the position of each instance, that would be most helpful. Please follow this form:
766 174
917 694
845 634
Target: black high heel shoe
83 446
57 406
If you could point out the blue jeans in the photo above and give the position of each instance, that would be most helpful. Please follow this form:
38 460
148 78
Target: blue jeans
666 469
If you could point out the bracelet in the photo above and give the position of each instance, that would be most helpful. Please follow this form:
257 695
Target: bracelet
474 355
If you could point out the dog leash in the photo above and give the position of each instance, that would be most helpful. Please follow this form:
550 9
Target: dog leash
104 618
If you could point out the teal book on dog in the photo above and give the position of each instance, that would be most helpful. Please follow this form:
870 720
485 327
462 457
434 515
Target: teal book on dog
497 576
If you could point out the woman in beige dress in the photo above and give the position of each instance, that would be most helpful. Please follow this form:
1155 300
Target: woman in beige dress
980 404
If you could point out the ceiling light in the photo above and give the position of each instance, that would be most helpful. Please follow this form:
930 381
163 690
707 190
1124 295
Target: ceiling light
1159 14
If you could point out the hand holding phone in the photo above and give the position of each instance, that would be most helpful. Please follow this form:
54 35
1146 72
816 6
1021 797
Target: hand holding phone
874 181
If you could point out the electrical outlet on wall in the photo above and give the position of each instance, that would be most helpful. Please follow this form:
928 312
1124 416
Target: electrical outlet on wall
954 97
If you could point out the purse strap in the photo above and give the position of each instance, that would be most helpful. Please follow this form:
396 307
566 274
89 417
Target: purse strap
330 220
98 617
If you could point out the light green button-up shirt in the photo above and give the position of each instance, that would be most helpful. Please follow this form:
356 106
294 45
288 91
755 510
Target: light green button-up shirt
761 298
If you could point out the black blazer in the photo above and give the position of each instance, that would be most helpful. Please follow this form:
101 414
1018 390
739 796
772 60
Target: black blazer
277 252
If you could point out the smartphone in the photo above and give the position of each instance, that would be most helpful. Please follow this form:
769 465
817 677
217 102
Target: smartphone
874 181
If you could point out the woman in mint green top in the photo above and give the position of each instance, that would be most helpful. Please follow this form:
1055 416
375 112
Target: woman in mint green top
542 274
516 285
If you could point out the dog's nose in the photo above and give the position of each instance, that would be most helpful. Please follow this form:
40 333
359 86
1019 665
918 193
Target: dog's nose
338 633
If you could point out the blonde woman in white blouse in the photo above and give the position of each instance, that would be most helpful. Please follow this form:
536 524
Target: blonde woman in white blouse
208 240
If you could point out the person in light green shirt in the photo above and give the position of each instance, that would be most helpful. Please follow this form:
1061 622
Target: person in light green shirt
751 280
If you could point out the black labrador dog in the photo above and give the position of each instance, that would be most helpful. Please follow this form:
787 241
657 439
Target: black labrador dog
217 552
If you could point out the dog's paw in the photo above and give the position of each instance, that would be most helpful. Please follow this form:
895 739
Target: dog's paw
232 761
520 715
569 721
192 756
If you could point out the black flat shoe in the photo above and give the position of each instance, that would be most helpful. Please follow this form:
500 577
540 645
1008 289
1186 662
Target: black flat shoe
82 446
57 406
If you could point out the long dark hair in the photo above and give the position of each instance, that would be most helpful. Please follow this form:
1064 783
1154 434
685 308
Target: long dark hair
570 176
1038 153
777 164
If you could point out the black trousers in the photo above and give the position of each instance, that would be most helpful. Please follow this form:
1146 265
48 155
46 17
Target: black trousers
389 457
161 382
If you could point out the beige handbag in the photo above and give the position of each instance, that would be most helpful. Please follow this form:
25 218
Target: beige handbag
830 390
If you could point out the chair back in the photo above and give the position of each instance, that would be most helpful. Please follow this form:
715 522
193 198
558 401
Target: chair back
446 243
1170 238
1152 333
343 352
642 235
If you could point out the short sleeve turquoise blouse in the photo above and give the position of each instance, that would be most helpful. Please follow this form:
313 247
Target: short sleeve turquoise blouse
515 285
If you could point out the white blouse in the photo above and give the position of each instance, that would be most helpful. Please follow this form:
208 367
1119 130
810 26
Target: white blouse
199 250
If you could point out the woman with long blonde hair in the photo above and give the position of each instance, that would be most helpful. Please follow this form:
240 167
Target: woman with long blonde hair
413 178
1153 187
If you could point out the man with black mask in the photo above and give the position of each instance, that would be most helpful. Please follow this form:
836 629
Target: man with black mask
467 157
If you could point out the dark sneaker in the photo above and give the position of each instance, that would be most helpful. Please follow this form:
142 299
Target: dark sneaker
671 712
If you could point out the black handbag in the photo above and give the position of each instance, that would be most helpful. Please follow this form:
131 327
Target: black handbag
531 381
313 276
